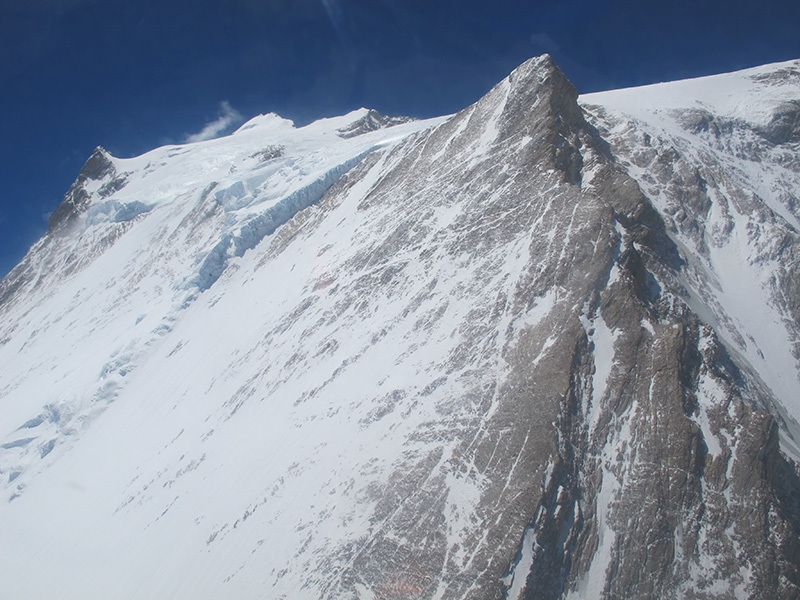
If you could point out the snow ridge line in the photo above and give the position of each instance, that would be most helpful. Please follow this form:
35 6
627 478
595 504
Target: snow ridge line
251 232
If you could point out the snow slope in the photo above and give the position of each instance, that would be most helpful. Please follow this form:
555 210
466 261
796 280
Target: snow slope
132 321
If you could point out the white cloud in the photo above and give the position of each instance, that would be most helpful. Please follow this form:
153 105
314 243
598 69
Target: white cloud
228 117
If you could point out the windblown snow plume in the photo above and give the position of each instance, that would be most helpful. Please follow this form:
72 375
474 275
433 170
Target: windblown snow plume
228 118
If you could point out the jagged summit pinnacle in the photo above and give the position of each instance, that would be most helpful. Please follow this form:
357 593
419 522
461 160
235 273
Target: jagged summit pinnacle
535 107
97 167
541 72
535 82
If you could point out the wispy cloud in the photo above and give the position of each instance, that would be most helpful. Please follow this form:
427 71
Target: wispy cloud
228 117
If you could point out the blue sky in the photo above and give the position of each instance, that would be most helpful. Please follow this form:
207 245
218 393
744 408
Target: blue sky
131 75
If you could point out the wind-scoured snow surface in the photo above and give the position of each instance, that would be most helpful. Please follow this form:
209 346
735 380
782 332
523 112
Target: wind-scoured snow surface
720 159
502 354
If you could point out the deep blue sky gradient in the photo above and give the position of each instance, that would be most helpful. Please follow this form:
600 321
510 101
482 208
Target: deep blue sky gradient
131 75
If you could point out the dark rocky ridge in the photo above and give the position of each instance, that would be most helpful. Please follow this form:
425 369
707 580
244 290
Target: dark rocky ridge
97 167
372 121
686 523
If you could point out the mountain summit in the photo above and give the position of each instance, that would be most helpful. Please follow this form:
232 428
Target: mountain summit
546 347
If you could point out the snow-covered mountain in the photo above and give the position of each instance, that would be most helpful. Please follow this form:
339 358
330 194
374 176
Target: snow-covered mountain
546 347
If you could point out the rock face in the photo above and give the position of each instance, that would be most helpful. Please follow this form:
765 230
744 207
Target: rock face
98 169
503 354
372 121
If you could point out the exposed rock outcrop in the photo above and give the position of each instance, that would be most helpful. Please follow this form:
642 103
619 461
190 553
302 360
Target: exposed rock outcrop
98 168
